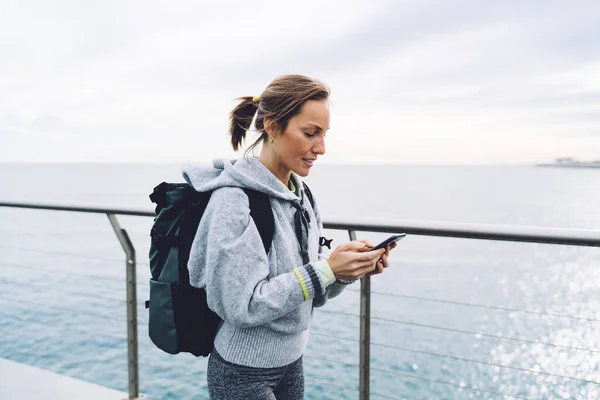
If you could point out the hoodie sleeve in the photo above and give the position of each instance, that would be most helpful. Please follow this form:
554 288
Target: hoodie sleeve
228 259
338 286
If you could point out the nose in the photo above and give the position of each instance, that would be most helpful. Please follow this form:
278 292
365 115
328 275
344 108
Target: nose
319 147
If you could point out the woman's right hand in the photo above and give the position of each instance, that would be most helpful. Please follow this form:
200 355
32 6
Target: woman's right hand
352 261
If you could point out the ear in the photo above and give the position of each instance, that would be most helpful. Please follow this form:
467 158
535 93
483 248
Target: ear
271 126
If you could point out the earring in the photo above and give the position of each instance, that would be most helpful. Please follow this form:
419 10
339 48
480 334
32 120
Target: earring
272 139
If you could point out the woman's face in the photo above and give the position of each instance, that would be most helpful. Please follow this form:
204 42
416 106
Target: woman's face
303 141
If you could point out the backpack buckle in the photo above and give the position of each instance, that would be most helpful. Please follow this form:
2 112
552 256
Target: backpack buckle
324 242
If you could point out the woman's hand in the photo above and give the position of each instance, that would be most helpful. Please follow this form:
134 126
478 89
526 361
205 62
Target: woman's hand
383 262
352 260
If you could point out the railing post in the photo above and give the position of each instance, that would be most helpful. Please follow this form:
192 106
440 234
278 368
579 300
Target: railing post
365 334
132 338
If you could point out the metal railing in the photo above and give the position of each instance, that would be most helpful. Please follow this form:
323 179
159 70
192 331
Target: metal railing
574 237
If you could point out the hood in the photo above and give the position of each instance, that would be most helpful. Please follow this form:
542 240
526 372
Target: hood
247 173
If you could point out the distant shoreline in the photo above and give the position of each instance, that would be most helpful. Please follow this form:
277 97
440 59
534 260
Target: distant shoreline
569 162
569 166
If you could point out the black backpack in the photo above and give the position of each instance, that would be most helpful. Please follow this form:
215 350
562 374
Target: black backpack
179 318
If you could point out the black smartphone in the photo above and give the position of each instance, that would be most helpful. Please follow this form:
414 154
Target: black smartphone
388 241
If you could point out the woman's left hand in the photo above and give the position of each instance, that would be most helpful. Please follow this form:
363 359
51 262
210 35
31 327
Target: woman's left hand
384 260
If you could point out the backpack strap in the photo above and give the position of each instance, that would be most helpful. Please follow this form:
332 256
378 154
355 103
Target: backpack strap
309 195
323 241
262 214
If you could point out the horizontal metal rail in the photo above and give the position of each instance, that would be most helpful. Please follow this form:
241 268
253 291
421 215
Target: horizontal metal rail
93 210
511 233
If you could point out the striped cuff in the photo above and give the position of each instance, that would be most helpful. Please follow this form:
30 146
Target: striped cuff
325 271
310 281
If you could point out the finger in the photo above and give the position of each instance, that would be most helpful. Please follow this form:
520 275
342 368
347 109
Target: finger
385 261
367 242
373 253
376 271
378 268
377 253
387 250
364 272
368 257
351 246
368 266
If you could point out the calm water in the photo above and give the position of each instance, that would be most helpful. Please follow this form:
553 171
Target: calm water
62 286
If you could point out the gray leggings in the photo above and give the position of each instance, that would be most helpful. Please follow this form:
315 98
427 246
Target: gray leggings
228 381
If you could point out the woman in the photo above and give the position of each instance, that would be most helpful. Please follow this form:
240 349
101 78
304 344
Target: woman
266 300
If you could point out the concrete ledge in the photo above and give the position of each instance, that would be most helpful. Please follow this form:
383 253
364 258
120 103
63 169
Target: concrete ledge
21 381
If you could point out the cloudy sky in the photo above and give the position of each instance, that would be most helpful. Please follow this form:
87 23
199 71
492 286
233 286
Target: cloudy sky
446 81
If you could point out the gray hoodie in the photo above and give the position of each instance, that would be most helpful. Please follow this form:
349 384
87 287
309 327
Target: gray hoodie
265 301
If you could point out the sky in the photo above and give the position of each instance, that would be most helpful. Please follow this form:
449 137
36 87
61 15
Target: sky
412 82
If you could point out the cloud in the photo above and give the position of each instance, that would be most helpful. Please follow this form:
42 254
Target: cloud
412 81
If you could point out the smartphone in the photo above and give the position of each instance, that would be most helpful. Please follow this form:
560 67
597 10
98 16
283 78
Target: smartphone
388 241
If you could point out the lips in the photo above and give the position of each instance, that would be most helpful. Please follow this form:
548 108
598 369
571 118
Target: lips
309 161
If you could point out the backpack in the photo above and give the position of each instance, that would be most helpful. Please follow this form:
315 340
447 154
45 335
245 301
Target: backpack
179 318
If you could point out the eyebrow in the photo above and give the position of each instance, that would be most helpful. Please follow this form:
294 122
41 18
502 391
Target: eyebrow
313 124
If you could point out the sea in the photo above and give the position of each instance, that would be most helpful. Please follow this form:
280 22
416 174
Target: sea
451 318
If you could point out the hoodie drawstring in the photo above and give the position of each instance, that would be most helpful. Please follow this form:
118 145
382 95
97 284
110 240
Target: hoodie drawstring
301 222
